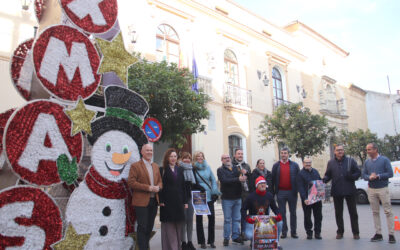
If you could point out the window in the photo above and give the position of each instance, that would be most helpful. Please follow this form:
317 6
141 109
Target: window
231 68
235 142
167 44
277 87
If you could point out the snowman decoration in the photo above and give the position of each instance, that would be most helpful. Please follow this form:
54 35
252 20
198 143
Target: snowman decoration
101 206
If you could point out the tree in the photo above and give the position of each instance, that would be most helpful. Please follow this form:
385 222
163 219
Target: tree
296 127
390 147
355 142
167 89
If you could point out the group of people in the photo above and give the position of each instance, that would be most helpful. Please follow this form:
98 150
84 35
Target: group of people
245 194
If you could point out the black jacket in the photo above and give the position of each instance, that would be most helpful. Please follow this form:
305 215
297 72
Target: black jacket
259 205
276 170
246 166
343 175
303 179
267 177
231 187
173 195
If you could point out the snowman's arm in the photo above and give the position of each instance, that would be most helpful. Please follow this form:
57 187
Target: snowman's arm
135 180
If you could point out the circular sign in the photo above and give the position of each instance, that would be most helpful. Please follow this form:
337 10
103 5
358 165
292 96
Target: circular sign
152 128
3 121
93 16
29 219
35 136
22 68
66 63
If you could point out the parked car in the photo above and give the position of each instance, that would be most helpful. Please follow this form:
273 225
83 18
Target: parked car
394 186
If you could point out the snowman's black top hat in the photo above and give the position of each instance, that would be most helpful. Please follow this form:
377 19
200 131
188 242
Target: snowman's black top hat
125 110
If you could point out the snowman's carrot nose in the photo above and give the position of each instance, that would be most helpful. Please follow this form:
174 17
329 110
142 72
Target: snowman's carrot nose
120 158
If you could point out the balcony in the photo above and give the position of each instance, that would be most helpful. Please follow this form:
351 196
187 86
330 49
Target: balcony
205 86
278 102
236 97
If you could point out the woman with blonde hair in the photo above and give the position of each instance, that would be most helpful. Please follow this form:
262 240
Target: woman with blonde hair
205 177
173 201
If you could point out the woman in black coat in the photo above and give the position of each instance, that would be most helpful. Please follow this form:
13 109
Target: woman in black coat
260 170
173 201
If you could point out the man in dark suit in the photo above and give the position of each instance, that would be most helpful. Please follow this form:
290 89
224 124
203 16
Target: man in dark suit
145 180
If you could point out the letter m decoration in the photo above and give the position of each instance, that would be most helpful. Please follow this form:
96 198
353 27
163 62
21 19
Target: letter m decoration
66 62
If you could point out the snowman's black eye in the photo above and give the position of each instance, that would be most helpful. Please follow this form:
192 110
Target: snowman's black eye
125 149
108 147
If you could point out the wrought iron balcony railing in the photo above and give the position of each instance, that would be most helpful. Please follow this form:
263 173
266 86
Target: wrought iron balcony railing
234 95
205 86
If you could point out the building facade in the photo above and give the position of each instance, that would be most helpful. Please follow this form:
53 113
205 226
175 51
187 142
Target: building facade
247 65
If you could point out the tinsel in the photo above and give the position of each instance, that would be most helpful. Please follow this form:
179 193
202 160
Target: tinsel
3 121
80 117
80 13
23 148
125 114
68 171
115 57
22 68
39 9
18 229
61 76
72 240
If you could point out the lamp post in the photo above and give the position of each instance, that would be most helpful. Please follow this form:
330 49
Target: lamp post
25 4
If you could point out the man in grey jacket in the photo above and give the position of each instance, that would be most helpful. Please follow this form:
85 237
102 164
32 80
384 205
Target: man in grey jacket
377 171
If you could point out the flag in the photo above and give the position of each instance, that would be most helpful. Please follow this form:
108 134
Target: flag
195 73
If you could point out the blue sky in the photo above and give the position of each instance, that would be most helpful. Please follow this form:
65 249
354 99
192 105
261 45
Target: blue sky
368 29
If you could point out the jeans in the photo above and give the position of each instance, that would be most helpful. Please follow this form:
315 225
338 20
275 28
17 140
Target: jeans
231 210
352 207
316 209
145 217
283 197
211 226
187 228
250 229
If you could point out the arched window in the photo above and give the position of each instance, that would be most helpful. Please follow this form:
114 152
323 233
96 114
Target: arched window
277 87
237 141
167 44
231 68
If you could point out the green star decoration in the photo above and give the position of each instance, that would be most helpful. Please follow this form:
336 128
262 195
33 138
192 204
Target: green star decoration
72 240
81 118
115 57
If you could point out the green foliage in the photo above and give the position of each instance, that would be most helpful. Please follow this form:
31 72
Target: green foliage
355 142
296 127
390 147
167 89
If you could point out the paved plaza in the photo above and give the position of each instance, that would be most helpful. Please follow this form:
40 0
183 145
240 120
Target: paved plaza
328 232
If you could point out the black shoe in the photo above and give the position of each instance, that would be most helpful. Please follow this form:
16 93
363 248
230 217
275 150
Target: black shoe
294 235
356 236
238 240
190 246
309 236
226 242
318 236
339 236
212 245
283 236
184 245
243 236
392 240
203 246
377 237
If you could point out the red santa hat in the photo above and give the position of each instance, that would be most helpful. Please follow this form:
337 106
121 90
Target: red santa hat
259 180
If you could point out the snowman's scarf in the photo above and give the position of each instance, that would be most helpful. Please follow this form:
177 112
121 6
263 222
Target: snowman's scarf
112 190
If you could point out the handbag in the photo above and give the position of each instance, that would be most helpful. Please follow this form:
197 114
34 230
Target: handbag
214 197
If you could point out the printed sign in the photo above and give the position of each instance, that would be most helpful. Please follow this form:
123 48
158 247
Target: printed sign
265 234
316 191
199 200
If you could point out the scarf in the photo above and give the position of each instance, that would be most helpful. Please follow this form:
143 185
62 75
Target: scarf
261 193
263 173
188 172
112 190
